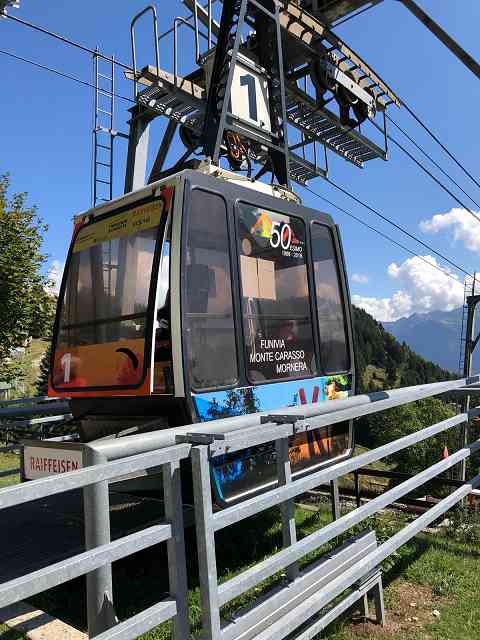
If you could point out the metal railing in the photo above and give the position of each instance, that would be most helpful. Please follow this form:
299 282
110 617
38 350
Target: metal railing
37 417
305 592
100 552
32 414
276 617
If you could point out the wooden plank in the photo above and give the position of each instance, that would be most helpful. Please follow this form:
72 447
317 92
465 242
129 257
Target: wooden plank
148 76
306 28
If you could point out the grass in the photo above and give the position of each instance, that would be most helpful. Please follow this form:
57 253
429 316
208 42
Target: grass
439 575
8 461
434 572
9 634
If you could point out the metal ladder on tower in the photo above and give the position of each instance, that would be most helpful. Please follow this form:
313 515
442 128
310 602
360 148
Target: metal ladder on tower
104 132
469 290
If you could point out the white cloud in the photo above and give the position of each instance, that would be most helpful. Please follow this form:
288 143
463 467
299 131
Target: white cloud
464 226
423 289
55 273
359 278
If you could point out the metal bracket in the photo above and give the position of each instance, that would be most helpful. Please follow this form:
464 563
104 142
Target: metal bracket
281 419
4 4
196 438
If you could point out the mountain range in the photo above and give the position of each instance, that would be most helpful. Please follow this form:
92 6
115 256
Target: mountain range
435 336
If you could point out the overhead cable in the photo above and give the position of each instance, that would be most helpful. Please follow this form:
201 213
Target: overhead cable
68 76
432 160
433 177
354 15
380 233
438 141
397 226
129 68
66 40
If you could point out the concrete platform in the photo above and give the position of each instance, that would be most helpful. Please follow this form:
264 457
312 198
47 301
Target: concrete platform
37 625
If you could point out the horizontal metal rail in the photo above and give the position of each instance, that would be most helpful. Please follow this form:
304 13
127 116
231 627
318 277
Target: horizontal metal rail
254 505
101 552
5 473
374 559
108 460
251 577
47 408
33 400
114 449
60 572
209 443
47 420
142 622
395 475
10 449
53 485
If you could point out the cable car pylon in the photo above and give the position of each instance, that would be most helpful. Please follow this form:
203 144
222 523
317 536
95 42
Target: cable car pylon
278 89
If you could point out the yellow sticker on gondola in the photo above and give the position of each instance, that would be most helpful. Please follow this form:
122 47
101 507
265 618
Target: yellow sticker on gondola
123 224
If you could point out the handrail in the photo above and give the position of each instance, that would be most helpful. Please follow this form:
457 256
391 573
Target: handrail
116 448
110 460
179 20
132 41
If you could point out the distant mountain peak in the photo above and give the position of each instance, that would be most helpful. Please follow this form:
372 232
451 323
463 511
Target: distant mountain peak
435 335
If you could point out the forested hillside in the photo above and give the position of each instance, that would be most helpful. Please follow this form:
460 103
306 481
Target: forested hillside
383 362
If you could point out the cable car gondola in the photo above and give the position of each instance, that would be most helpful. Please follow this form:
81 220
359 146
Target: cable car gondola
197 298
209 294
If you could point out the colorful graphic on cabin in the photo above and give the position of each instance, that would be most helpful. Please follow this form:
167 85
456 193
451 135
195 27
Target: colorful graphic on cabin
238 475
262 226
236 402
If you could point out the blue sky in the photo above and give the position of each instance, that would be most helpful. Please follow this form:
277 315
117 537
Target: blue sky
46 136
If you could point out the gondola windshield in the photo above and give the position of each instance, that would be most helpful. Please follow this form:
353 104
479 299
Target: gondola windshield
103 319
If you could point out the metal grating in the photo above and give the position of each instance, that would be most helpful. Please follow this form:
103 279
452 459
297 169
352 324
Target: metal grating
184 102
325 127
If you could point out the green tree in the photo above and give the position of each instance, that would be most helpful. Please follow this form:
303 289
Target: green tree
42 382
25 306
395 423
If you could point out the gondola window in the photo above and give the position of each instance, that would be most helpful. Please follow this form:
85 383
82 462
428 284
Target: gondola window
331 314
275 297
210 331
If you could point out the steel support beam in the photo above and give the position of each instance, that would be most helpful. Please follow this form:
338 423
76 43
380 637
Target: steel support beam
470 345
137 148
458 51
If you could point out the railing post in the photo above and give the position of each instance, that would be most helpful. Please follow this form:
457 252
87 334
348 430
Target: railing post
207 563
177 570
289 530
96 507
470 344
335 497
357 488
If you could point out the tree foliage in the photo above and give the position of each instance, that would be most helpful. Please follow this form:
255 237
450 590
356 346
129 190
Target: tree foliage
42 382
402 367
25 307
238 402
409 418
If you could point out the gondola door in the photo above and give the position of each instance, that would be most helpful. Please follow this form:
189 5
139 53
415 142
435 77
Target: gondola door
264 323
